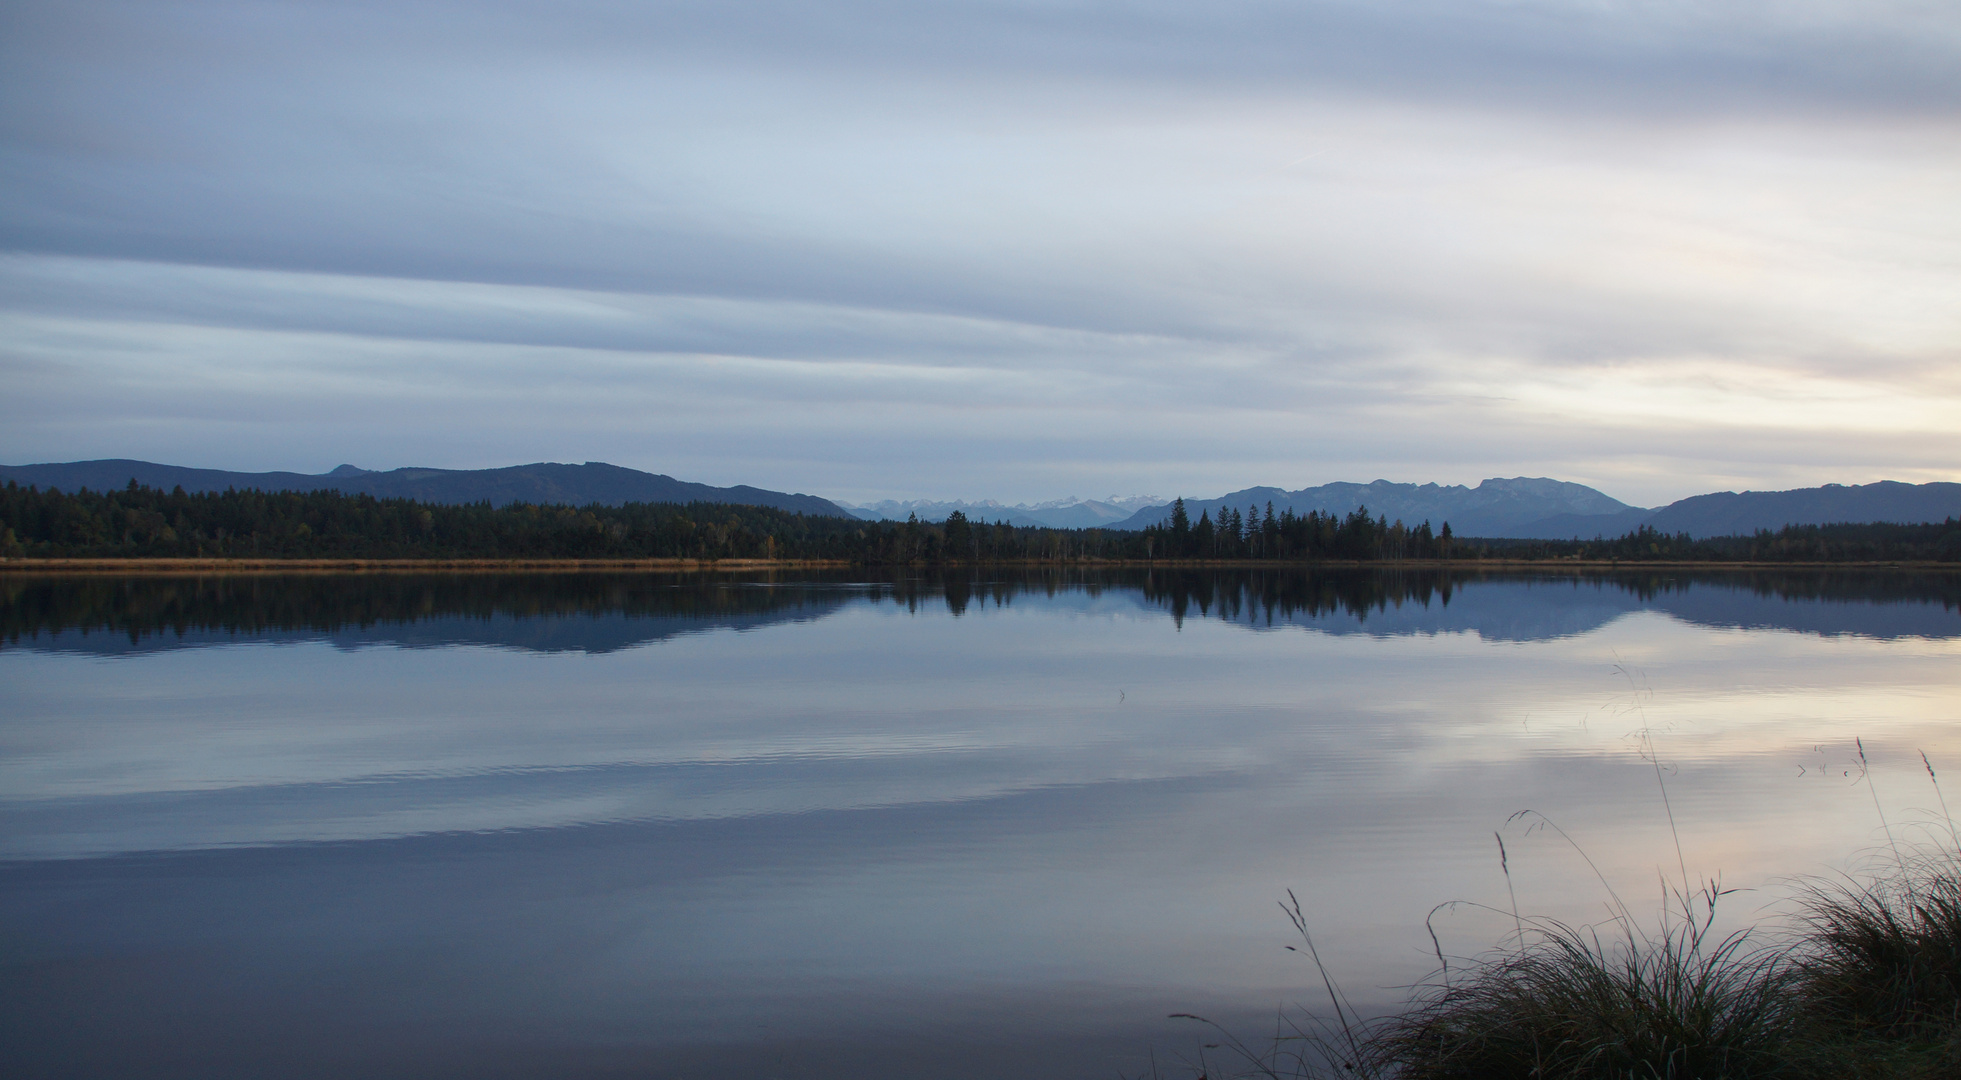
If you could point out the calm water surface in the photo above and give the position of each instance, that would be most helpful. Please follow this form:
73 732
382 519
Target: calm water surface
596 825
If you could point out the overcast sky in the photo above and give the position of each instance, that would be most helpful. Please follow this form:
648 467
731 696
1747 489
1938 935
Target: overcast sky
990 249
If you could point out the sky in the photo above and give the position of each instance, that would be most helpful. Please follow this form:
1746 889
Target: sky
1012 250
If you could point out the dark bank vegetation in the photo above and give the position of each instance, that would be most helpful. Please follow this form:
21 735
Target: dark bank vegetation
142 522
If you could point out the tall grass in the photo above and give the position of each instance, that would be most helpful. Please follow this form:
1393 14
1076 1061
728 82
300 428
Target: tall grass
1864 982
1568 1001
1880 965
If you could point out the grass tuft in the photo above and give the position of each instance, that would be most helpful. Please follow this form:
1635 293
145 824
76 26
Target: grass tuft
1866 985
1881 962
1868 988
1568 1003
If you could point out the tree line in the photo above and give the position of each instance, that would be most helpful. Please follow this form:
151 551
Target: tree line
145 522
1288 536
1934 541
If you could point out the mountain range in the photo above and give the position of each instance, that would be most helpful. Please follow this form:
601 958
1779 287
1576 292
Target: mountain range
1493 508
1729 513
1541 509
1519 507
544 482
1070 513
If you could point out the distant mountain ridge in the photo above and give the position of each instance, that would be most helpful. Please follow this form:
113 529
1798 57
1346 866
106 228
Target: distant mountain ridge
1070 513
1731 513
1537 508
1496 507
543 482
1519 507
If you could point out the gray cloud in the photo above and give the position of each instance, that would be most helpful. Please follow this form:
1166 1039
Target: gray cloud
1070 245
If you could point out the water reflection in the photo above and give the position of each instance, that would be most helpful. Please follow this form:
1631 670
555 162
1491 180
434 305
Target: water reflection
546 612
1538 607
736 826
604 612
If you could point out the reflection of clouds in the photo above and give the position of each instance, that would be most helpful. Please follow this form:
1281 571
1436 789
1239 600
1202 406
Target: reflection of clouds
899 808
383 807
877 707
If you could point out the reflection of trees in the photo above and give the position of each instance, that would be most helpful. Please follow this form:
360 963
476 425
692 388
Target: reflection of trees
1268 596
1841 586
1276 596
244 604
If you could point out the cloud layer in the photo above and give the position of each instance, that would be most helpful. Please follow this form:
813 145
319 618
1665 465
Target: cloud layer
1009 250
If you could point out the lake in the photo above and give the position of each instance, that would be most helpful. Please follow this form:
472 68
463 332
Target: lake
610 824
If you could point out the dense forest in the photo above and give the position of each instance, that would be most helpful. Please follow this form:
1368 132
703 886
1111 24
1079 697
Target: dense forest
142 522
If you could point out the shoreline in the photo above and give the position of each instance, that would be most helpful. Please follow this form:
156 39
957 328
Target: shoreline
179 565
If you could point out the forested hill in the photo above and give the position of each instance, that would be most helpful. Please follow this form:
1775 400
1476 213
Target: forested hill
141 522
542 483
